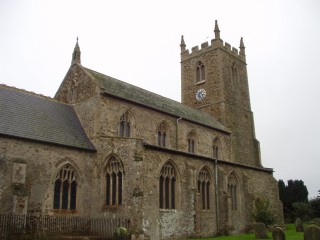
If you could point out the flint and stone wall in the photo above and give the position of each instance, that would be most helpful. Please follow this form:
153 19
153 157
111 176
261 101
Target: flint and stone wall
28 168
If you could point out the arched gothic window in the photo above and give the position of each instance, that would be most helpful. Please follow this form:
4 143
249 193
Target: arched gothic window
125 125
162 135
114 182
191 142
167 187
215 148
232 189
200 72
65 189
204 188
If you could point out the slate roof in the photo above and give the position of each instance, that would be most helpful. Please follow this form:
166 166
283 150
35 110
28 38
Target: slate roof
141 96
29 116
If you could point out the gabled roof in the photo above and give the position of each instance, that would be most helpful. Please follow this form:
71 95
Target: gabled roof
29 116
120 89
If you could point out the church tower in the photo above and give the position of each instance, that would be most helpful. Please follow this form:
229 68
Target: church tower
214 79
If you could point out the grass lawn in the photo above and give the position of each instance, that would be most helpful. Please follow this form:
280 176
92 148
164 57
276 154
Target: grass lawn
290 233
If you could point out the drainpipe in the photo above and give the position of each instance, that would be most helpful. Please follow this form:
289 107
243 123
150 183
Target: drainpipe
178 119
217 195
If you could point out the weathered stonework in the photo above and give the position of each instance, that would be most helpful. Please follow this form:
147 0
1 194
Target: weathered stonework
35 165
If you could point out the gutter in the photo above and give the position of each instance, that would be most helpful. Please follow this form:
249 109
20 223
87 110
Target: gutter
195 156
217 194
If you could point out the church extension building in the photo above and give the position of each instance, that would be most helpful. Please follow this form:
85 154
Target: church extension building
103 147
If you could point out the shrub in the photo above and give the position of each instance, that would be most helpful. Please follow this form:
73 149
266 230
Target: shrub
302 210
263 212
315 205
120 233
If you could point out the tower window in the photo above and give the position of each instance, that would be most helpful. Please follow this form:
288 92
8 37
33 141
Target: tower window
234 73
125 125
204 188
65 189
200 72
114 181
167 187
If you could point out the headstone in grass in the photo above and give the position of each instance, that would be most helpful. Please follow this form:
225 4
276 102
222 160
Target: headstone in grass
278 234
260 230
299 225
312 232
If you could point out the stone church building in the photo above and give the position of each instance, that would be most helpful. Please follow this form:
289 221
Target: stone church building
103 147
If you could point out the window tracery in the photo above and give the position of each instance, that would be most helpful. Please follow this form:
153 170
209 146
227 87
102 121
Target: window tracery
200 72
65 189
114 182
125 125
191 142
233 189
204 188
167 187
162 135
215 148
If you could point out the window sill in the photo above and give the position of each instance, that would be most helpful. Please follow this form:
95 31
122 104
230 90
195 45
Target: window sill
168 210
201 82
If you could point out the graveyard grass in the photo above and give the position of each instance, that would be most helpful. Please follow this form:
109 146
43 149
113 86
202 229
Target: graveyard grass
290 233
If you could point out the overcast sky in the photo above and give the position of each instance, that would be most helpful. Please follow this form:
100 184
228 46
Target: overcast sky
138 42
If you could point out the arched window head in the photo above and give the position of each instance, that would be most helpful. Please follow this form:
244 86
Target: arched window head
191 142
114 182
204 188
65 189
200 72
125 125
162 135
215 149
232 190
167 187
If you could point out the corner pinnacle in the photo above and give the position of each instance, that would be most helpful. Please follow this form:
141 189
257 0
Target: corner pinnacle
182 45
242 47
216 30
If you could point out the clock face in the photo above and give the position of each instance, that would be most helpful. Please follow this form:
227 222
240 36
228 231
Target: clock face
201 94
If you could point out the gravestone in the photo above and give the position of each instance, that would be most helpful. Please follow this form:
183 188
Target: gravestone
312 232
278 234
260 231
299 225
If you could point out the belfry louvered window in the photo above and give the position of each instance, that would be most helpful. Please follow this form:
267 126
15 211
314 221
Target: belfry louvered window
114 182
65 189
167 187
200 72
234 72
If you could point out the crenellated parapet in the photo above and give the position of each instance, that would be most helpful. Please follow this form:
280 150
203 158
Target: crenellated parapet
216 43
